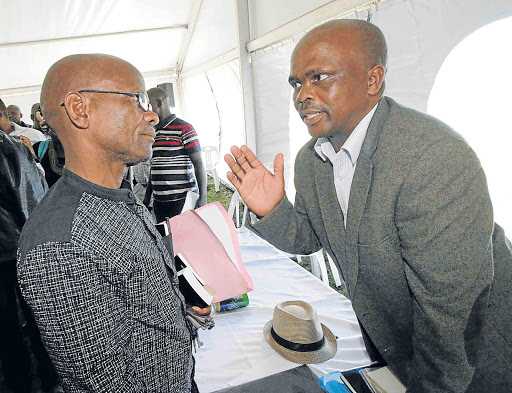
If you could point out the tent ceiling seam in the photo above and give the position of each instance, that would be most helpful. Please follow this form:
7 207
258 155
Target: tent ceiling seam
17 91
334 10
37 42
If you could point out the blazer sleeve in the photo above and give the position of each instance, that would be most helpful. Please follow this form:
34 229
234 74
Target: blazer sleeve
445 222
288 228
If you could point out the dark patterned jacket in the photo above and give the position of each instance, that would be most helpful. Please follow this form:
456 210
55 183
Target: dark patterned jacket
92 269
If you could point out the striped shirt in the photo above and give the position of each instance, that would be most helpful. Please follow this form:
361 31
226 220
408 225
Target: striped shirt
172 171
344 162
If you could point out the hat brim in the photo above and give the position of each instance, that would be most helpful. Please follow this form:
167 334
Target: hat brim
321 355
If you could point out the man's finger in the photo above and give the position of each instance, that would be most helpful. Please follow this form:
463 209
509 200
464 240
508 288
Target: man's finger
250 157
202 311
240 158
279 167
234 166
234 180
228 159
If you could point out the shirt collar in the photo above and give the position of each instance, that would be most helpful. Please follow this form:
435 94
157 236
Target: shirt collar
169 120
352 146
122 194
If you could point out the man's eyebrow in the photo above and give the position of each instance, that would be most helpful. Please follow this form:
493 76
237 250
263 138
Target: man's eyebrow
315 71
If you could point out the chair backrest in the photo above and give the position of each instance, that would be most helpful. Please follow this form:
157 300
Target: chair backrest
233 209
209 161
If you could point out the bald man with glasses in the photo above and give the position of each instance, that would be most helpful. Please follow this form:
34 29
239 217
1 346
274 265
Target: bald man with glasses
99 280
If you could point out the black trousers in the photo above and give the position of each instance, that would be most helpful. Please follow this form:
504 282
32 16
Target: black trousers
14 353
167 209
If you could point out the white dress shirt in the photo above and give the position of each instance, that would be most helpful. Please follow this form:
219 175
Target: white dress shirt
344 162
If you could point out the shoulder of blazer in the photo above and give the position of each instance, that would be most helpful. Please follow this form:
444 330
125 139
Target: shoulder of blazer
405 129
307 153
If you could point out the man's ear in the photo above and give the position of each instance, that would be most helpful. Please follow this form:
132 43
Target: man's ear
375 79
77 110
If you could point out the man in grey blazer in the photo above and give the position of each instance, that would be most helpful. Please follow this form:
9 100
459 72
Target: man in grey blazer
400 201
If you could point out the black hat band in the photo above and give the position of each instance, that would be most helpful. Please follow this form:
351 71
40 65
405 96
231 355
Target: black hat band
296 346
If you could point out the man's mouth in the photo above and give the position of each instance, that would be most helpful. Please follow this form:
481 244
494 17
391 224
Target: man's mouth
311 117
151 133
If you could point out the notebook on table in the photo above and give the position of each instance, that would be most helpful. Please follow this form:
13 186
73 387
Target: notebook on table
296 380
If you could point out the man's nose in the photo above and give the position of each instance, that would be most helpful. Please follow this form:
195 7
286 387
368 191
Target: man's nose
151 117
305 93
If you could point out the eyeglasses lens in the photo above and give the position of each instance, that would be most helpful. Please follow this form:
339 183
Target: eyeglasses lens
144 102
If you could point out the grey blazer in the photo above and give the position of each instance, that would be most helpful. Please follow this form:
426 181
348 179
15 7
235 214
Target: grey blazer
417 253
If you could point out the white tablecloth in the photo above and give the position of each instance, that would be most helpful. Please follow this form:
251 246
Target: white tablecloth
235 351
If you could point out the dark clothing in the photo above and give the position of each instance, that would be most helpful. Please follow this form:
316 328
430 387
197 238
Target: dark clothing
50 175
22 186
14 354
96 281
169 209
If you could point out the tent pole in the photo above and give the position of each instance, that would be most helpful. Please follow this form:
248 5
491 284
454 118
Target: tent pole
188 36
243 30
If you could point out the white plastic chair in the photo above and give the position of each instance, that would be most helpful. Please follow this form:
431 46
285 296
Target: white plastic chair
210 163
234 210
319 268
334 270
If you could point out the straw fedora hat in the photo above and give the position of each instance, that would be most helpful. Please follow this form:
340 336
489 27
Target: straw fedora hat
297 335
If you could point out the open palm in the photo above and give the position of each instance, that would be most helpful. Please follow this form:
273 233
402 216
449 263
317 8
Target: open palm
259 188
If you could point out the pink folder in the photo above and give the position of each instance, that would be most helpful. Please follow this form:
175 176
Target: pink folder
208 240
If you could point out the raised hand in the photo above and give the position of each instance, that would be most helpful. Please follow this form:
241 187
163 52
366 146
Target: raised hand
27 143
259 188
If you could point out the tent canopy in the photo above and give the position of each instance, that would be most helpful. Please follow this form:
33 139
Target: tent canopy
229 59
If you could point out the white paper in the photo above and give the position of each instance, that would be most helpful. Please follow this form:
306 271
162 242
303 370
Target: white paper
215 220
190 201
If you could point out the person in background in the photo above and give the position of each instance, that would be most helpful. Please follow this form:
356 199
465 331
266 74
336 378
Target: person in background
13 129
91 265
15 115
176 166
50 153
400 201
38 120
141 177
22 186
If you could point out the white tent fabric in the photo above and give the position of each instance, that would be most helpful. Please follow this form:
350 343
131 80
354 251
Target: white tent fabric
213 105
187 41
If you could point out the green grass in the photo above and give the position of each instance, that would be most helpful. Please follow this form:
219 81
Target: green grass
223 196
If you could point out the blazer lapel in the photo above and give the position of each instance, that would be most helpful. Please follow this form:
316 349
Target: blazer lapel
330 209
359 193
357 202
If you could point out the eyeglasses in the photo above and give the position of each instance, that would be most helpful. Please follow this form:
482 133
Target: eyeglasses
142 98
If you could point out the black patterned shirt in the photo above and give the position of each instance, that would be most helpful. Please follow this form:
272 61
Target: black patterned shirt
91 267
